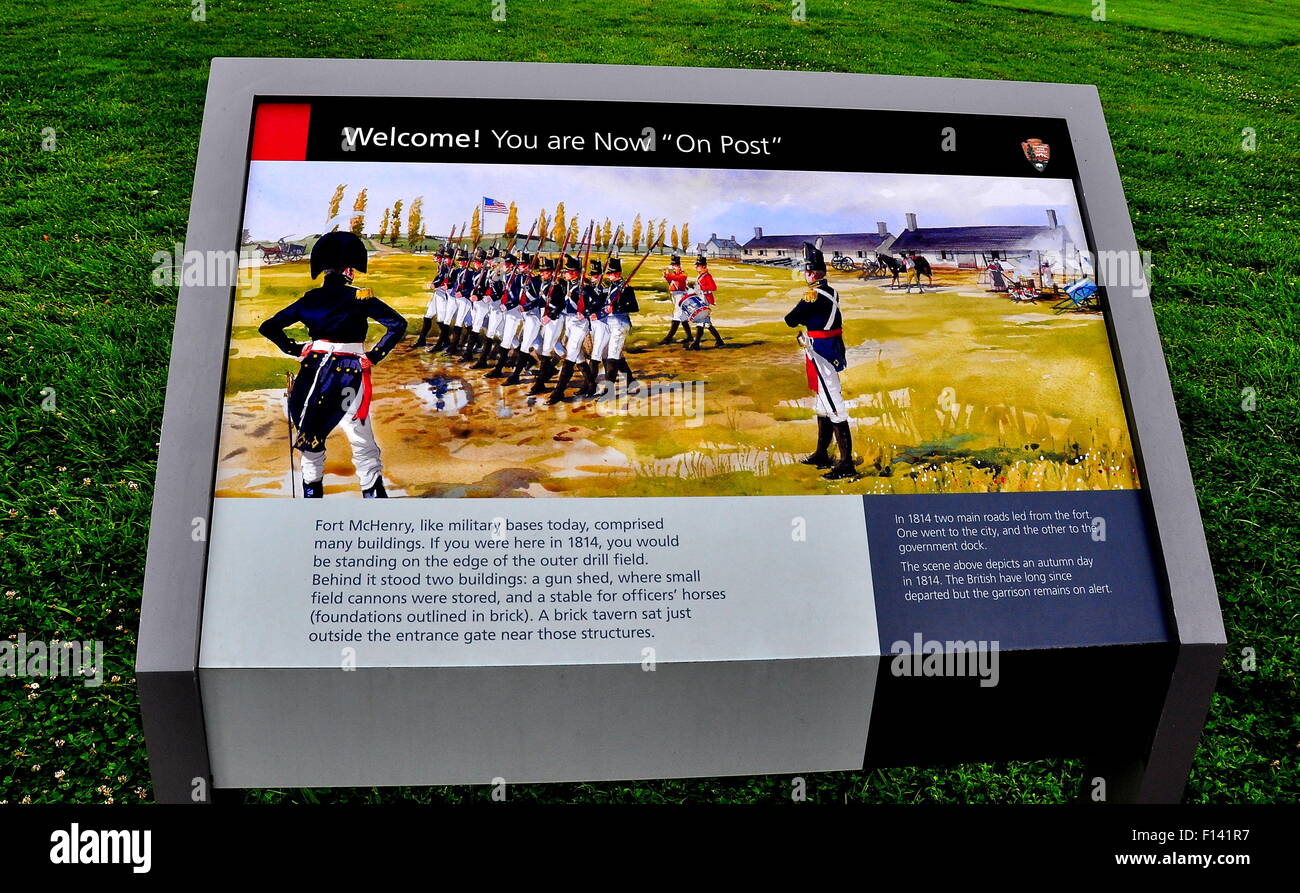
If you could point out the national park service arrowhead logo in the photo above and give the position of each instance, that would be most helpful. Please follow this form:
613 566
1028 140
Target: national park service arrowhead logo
1038 153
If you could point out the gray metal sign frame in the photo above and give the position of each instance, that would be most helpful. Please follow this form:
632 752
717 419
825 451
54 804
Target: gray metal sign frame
166 665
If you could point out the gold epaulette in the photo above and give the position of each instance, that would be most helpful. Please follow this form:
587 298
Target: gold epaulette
811 294
363 293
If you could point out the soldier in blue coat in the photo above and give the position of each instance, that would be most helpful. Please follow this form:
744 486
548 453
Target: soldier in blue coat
824 359
332 388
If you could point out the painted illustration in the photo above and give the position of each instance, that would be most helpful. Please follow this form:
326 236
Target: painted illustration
437 330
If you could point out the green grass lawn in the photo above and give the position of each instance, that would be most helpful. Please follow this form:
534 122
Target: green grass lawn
122 84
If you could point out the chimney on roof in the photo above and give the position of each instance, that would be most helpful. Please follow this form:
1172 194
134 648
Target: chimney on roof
1051 218
758 232
713 237
911 220
881 229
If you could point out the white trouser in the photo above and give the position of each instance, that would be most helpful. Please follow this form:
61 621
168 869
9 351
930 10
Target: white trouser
478 315
446 308
437 305
618 325
461 313
495 317
599 339
576 330
552 329
531 330
512 322
365 453
829 402
678 315
360 434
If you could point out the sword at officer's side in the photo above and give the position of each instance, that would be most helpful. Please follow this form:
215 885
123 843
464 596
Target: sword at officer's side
288 414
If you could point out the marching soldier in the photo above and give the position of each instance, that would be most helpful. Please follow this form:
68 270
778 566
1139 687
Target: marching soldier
824 359
462 297
706 288
512 316
576 329
532 301
436 311
675 276
478 302
332 388
597 303
620 304
496 312
556 298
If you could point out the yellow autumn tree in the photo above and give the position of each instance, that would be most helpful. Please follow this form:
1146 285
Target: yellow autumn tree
558 230
415 222
358 222
335 202
512 221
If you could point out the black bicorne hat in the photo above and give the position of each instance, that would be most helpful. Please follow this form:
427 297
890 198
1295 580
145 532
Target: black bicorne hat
596 268
509 258
339 250
615 265
546 265
572 264
813 259
525 258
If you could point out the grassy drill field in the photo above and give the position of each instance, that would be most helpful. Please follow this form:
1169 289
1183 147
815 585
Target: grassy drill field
1029 399
1201 110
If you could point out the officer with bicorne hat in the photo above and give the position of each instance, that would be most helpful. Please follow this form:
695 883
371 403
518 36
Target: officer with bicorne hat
333 388
824 359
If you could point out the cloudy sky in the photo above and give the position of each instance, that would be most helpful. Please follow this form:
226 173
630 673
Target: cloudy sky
290 198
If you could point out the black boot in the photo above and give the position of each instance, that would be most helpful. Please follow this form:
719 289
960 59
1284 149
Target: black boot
845 468
821 458
687 342
717 339
631 379
424 332
544 373
611 376
588 388
489 348
471 345
453 340
375 492
444 333
699 333
668 339
566 373
521 362
503 356
314 490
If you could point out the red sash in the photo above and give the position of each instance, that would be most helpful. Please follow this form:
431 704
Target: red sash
810 368
363 408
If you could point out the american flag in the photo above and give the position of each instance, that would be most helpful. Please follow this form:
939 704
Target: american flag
492 206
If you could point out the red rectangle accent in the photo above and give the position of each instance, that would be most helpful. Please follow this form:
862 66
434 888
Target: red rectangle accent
280 131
